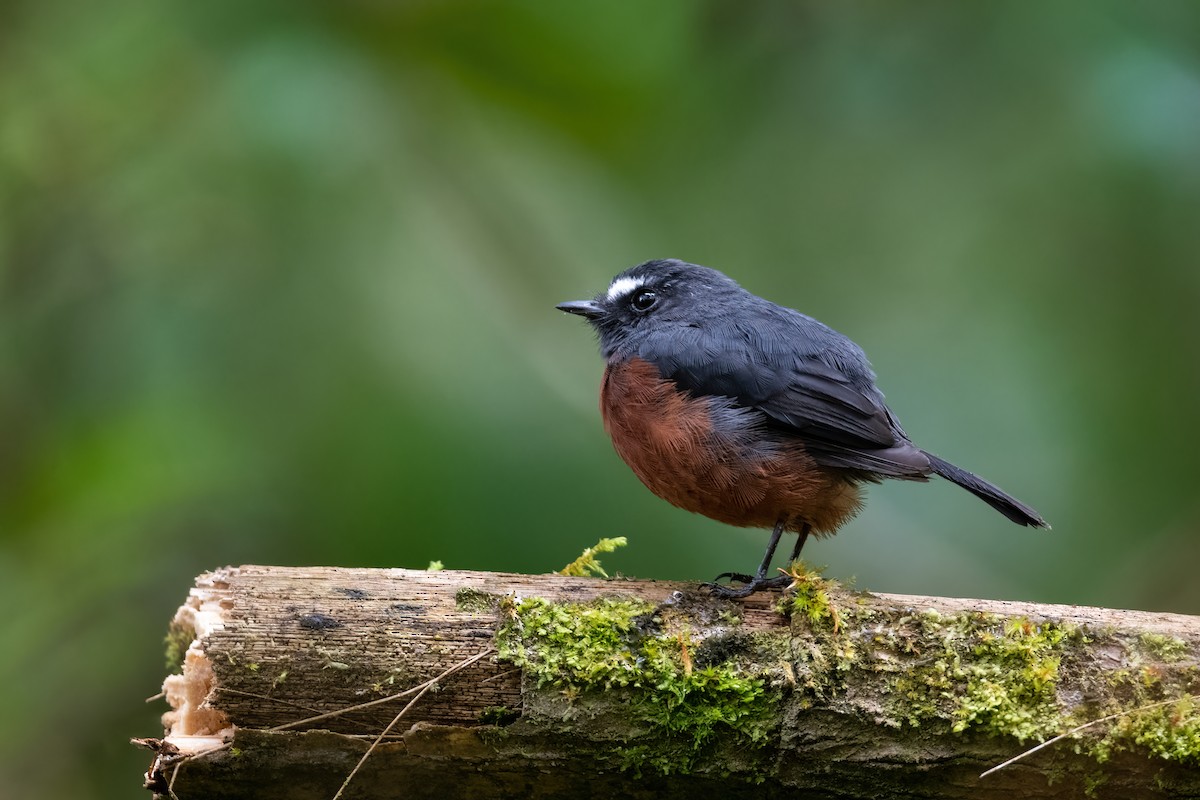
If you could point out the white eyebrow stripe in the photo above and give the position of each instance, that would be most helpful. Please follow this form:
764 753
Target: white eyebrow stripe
622 286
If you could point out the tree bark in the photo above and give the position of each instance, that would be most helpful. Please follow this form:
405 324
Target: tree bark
617 688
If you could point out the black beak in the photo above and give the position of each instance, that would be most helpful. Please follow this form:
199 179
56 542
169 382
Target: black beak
589 309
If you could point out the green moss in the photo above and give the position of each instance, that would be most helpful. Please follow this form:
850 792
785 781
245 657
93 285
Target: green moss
1164 648
498 715
808 598
1158 710
980 673
1093 783
821 615
494 736
475 601
620 645
178 639
588 564
1171 731
976 672
1011 680
686 685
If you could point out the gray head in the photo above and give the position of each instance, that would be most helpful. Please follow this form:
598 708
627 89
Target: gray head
657 298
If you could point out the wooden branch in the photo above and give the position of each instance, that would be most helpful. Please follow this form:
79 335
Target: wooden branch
596 688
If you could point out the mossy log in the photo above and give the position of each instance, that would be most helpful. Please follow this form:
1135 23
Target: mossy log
617 688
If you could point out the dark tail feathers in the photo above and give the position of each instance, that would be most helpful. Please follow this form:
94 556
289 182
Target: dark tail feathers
1010 507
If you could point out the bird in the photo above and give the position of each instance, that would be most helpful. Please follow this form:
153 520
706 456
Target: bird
728 405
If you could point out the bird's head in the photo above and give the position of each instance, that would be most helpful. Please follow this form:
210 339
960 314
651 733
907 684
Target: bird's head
657 300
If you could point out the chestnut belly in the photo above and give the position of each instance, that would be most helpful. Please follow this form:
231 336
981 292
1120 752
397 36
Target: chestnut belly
709 456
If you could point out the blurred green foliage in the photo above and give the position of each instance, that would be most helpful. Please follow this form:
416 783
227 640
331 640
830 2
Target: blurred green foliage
277 285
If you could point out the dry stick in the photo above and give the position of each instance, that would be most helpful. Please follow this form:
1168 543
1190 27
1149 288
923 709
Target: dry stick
425 687
290 704
357 707
501 675
171 785
1084 726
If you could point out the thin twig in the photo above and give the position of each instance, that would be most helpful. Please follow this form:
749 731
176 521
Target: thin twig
369 704
171 784
429 684
501 675
1085 726
281 701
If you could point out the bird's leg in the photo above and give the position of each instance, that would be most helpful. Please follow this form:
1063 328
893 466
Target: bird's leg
784 581
759 580
801 538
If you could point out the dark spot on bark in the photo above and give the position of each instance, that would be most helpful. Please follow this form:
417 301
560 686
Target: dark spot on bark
406 608
318 622
353 594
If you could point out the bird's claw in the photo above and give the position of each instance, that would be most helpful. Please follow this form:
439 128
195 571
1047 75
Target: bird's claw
728 592
750 585
740 577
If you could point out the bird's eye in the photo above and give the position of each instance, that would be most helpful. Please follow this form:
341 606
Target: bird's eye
643 301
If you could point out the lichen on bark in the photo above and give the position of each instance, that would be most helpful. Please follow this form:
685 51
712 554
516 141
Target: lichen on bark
982 672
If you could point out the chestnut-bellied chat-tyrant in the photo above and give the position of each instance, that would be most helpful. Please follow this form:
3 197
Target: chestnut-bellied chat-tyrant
747 412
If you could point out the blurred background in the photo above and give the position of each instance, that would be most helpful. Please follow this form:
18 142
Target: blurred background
277 285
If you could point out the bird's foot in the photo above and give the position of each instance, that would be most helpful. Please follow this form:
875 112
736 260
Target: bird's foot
751 584
740 577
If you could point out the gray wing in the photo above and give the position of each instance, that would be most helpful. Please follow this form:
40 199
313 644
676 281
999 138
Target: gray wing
808 380
843 421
